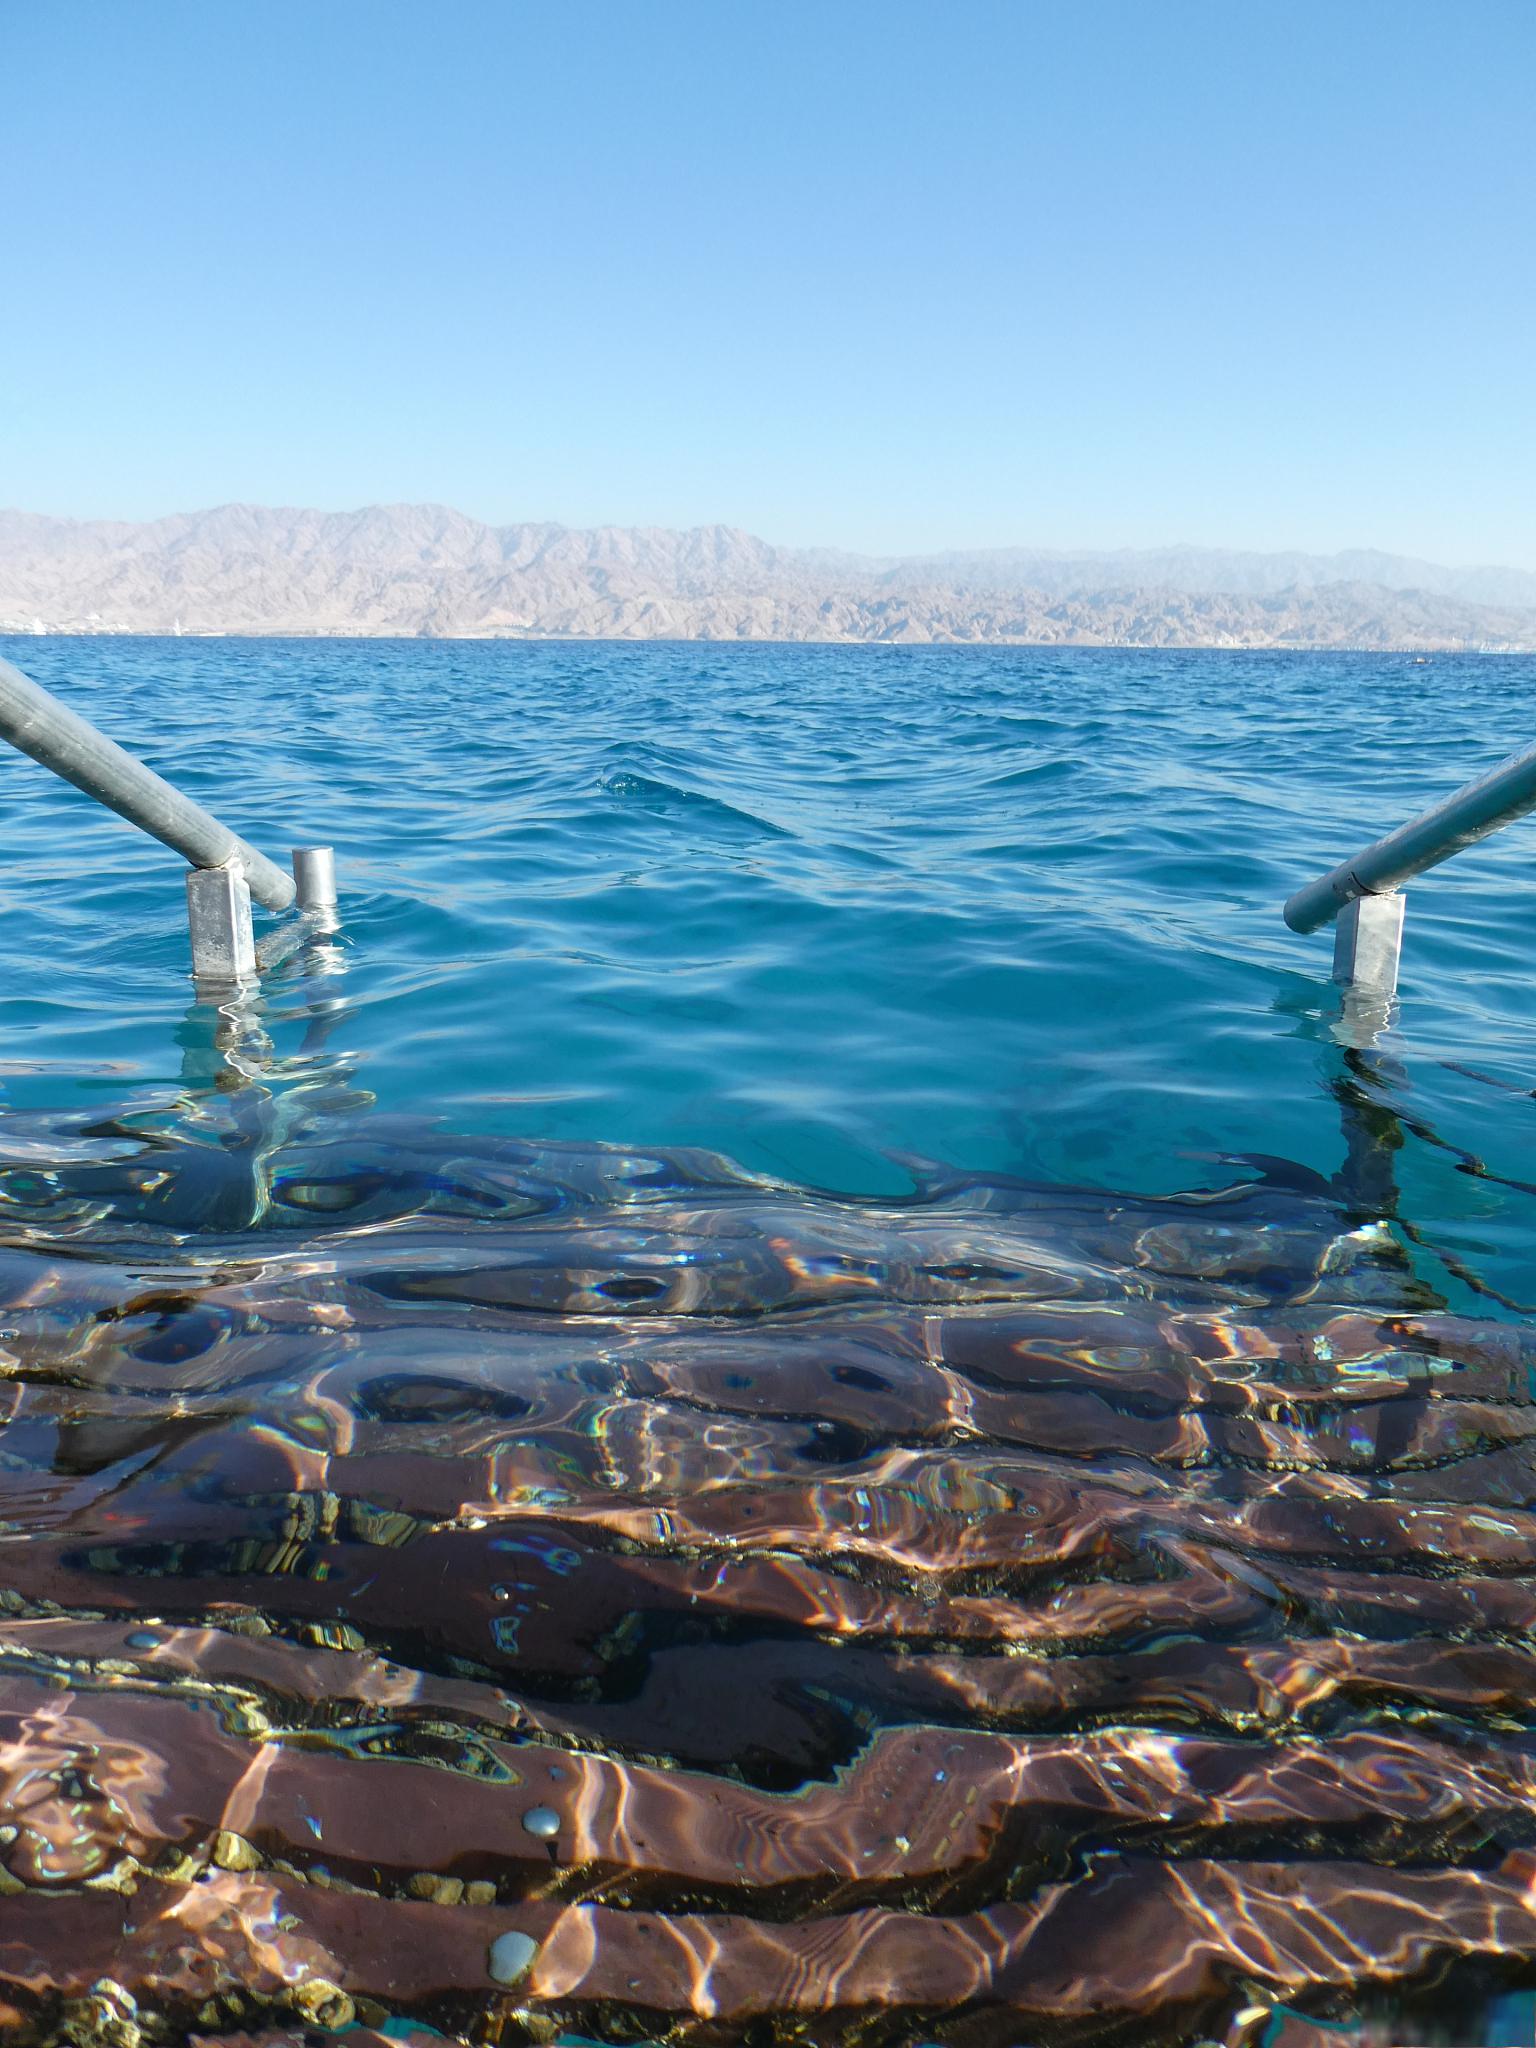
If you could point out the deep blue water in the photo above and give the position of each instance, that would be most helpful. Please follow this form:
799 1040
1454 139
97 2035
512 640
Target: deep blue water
819 908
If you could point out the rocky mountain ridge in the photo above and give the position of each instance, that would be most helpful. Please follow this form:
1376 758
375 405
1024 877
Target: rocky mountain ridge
425 570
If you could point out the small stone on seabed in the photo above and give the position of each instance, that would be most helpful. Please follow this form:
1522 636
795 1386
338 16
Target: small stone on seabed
234 1852
510 1956
325 2004
542 1821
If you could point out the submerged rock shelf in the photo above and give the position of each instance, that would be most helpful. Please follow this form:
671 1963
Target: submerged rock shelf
498 1592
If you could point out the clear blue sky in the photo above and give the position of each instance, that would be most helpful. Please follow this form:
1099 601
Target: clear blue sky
885 276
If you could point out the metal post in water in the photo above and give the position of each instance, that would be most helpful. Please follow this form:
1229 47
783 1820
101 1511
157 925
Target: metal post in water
314 876
1361 893
34 721
1497 798
219 915
1368 943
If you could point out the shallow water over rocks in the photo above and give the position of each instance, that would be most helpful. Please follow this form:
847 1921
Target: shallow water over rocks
524 1591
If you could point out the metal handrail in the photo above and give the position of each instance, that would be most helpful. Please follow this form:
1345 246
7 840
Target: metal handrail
35 722
1495 799
226 872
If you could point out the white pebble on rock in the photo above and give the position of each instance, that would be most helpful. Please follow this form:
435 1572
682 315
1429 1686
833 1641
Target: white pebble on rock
510 1956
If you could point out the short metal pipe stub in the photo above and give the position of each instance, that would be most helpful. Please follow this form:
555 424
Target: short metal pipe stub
314 875
219 919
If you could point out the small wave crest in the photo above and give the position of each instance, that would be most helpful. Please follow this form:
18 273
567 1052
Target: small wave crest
690 806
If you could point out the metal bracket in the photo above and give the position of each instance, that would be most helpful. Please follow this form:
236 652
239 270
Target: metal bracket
219 915
1368 943
224 952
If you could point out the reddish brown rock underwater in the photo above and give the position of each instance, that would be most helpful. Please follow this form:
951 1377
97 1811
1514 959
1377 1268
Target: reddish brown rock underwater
580 1593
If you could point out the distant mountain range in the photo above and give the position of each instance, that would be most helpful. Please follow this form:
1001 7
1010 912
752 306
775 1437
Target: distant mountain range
425 570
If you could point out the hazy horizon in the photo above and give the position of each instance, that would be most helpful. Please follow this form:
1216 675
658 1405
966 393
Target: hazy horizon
1070 549
431 570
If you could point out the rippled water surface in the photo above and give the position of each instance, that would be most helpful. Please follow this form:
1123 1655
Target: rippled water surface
803 1390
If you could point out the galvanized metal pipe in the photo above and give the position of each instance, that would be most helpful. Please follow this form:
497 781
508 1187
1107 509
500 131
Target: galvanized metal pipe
36 722
314 876
1497 798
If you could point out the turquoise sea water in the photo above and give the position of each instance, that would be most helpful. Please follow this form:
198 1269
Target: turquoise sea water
821 909
799 1393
